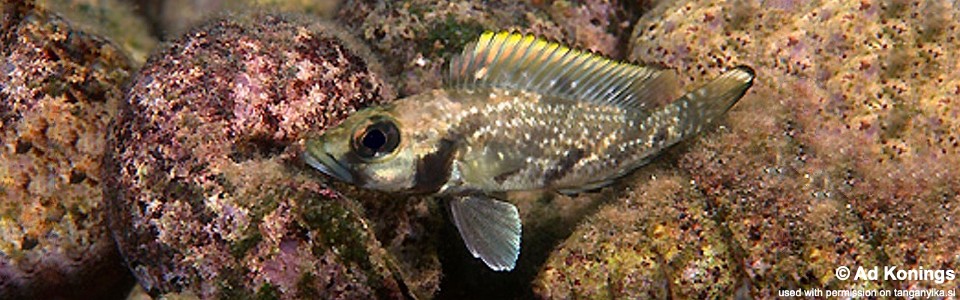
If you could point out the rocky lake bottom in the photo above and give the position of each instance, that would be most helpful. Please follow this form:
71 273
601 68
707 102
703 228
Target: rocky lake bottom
158 145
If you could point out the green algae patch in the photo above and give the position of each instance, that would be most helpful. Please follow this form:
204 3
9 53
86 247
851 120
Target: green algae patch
449 37
338 227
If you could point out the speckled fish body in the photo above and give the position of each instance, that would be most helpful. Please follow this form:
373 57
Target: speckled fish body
519 114
516 140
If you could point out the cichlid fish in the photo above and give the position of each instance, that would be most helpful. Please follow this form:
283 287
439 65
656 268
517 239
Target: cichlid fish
518 113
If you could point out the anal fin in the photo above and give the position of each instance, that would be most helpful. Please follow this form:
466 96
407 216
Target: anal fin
490 228
586 187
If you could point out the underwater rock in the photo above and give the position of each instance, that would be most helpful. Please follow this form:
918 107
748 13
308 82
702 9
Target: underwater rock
113 19
59 87
601 26
210 198
842 154
658 240
171 18
417 38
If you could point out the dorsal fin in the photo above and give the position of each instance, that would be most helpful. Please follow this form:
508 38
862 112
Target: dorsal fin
522 62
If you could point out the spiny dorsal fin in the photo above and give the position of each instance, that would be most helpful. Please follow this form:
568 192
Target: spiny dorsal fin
522 62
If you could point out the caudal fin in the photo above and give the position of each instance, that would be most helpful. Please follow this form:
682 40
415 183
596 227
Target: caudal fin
696 110
704 105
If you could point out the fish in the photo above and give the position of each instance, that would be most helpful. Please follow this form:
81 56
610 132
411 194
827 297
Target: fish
519 113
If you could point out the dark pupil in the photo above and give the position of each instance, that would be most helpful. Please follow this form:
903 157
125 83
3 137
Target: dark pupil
381 137
374 139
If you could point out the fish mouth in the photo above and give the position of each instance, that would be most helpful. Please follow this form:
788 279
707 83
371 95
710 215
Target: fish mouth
326 164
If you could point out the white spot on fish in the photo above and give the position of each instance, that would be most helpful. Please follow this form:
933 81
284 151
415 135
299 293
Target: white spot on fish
482 72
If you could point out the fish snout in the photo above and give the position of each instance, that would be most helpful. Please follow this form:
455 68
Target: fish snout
317 157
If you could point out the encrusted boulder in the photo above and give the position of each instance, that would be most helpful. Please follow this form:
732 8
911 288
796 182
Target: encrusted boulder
842 154
209 196
59 87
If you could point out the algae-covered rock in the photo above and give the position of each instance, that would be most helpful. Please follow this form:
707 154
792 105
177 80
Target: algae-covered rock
417 38
171 18
210 197
114 19
841 154
658 240
59 86
601 26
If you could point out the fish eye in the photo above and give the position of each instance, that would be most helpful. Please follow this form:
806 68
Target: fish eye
377 139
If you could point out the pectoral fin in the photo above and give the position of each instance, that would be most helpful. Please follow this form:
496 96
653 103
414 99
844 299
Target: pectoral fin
490 228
